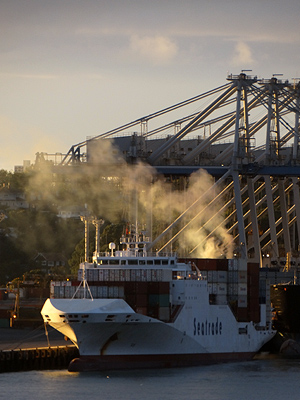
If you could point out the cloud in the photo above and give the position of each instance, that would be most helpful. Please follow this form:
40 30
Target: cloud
156 49
242 55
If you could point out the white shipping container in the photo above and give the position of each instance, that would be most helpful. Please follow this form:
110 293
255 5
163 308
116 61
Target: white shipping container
67 292
242 276
210 288
122 275
233 264
143 275
72 290
100 292
210 276
105 292
153 275
96 274
117 274
52 286
132 274
214 288
222 288
222 276
101 274
159 275
116 292
121 292
61 292
66 283
242 264
56 292
232 288
149 278
242 289
127 275
112 275
215 276
111 292
138 275
94 291
106 275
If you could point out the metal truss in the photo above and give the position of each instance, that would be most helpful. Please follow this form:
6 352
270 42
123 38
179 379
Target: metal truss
246 134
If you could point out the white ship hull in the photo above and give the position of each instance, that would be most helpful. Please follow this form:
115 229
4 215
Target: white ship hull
109 334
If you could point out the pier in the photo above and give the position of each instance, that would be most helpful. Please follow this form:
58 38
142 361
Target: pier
25 350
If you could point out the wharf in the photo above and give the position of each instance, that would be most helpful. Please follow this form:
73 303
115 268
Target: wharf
27 349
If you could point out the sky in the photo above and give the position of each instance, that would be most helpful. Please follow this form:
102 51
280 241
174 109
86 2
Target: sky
71 69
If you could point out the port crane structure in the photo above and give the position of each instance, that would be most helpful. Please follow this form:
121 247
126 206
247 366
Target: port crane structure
244 133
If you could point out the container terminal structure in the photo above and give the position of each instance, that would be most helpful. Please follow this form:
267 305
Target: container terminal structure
245 134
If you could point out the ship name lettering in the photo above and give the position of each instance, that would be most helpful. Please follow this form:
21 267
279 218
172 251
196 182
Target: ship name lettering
207 328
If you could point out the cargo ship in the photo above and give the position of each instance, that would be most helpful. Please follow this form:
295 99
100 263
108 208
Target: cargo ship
132 308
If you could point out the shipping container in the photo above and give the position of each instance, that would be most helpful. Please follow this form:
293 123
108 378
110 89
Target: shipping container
222 288
242 276
153 300
210 276
117 275
101 275
111 292
141 310
141 287
221 299
242 264
67 292
164 313
105 275
132 275
222 276
127 275
94 291
215 276
164 300
214 288
242 289
141 300
242 301
149 276
242 314
210 288
105 292
163 287
61 292
232 288
121 292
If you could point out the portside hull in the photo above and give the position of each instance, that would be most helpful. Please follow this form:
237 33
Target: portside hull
115 362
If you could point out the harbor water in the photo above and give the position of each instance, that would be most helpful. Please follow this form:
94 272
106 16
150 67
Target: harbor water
262 379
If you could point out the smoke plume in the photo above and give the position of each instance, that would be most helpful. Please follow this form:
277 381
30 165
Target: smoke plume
109 188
